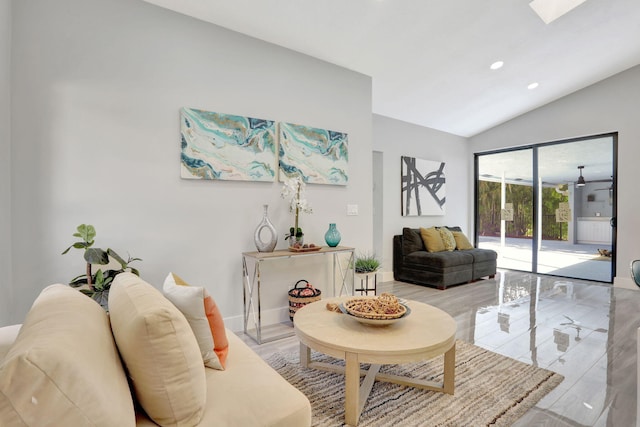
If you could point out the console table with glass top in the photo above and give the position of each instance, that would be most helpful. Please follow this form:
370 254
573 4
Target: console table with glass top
343 274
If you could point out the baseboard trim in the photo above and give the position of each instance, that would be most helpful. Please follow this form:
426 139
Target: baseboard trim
268 317
625 282
281 314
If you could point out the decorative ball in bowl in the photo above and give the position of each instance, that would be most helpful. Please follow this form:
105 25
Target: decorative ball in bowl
381 310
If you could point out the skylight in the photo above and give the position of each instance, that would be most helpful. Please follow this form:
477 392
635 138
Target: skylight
550 10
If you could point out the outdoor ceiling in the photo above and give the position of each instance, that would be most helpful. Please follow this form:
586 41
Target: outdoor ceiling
557 164
429 59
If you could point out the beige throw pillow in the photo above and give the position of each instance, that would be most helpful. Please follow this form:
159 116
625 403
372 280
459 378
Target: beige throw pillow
432 239
447 238
64 368
160 352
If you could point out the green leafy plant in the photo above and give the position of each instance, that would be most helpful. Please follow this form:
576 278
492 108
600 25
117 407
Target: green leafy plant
367 263
98 283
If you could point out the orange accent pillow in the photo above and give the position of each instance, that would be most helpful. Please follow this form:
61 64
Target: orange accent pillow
216 323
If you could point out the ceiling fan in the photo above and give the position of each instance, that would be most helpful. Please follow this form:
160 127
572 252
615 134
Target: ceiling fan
581 182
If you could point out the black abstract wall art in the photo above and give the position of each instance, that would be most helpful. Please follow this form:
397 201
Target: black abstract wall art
423 187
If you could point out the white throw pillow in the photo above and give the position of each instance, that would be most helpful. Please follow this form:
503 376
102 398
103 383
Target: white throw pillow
190 301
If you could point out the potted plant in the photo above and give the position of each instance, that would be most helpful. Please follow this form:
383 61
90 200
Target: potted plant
367 263
96 285
366 267
293 189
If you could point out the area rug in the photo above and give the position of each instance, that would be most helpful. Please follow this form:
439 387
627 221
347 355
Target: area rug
491 390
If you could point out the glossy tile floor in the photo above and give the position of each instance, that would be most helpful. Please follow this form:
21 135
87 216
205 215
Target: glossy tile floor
585 331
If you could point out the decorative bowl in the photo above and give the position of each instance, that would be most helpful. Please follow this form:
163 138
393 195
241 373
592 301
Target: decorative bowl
311 249
375 322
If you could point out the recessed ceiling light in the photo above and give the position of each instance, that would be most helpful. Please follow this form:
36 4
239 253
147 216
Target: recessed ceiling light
496 65
532 85
550 10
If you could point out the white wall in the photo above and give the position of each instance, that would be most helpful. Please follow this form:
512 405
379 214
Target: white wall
5 161
97 89
608 106
600 204
395 139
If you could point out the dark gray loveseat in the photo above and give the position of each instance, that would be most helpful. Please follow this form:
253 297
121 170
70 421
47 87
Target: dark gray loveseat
412 263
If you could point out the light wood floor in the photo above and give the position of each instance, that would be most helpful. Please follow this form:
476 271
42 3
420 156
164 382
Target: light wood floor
585 331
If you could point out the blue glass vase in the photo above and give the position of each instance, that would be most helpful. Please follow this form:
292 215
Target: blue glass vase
332 236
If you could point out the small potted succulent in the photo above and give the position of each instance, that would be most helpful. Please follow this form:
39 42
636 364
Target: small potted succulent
96 285
367 264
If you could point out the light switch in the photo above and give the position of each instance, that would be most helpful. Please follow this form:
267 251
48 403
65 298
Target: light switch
352 209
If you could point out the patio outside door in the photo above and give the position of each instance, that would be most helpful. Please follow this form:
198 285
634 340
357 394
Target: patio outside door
533 208
505 207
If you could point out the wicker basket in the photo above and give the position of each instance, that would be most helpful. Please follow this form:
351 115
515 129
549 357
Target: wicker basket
299 297
351 304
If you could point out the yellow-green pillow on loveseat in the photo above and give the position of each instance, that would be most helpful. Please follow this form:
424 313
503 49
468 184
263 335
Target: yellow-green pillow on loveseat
432 239
64 368
447 239
462 243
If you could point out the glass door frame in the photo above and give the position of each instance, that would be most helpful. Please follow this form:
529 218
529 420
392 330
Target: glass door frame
535 241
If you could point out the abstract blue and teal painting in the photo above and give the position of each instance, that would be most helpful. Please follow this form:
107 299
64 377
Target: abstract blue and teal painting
226 147
320 156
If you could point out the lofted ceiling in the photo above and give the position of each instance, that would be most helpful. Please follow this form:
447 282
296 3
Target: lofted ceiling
429 59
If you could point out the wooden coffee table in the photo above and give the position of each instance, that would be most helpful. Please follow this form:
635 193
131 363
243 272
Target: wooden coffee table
426 333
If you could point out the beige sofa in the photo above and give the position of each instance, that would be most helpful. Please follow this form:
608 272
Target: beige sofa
63 367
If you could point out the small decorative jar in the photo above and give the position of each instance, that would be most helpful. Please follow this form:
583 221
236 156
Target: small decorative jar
332 236
265 224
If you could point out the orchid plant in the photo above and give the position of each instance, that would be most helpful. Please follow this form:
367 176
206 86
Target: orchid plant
293 189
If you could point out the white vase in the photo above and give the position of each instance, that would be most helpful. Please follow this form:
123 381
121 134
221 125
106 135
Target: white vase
265 225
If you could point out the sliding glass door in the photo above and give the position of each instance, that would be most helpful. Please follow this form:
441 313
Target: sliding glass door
505 207
550 208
